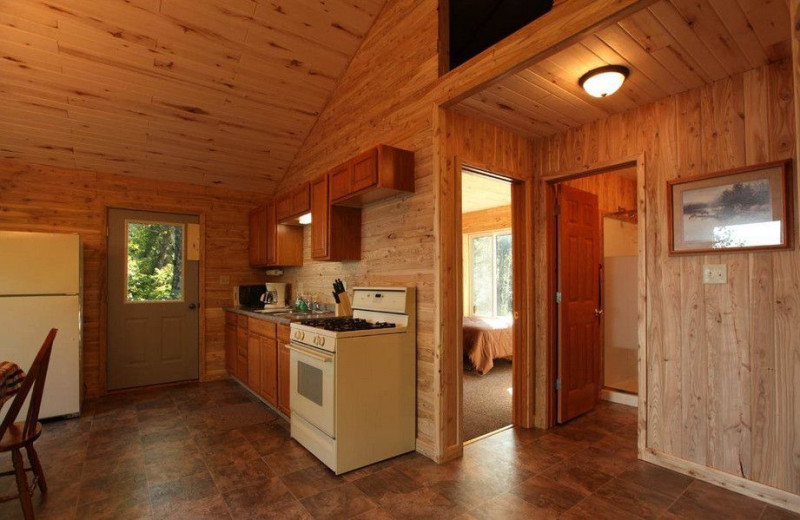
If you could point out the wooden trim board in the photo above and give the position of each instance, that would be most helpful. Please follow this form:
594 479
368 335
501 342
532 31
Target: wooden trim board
737 484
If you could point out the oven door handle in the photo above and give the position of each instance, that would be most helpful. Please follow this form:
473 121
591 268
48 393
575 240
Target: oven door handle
310 353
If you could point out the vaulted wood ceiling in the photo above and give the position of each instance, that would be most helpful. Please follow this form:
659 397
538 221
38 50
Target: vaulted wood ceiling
671 46
215 92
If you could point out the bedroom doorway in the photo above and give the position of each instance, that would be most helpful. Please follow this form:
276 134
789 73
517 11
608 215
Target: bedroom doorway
488 340
596 258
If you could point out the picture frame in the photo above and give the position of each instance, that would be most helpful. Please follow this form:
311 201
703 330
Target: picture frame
743 209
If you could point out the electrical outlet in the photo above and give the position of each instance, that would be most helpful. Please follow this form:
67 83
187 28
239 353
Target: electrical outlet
715 273
224 280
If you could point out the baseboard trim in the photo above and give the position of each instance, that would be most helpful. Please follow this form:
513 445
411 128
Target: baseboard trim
771 495
619 397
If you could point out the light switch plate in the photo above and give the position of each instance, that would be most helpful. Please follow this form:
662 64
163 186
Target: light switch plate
715 273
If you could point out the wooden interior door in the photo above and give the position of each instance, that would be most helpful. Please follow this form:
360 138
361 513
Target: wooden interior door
153 293
579 315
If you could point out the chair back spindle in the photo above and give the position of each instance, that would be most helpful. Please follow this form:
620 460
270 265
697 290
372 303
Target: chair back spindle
35 379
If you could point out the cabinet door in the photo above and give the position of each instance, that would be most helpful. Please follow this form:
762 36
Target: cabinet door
283 379
271 236
301 201
258 238
340 182
254 362
284 207
241 354
319 217
230 349
364 171
269 370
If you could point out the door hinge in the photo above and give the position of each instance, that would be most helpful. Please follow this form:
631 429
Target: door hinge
558 385
558 297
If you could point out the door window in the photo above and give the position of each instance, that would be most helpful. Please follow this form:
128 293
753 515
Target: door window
155 261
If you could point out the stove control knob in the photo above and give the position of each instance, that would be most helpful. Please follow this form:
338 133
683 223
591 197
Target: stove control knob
321 341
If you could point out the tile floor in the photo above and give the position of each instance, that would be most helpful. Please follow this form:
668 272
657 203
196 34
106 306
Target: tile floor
211 451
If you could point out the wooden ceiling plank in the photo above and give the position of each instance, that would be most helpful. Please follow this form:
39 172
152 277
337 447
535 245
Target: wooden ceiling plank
537 114
654 38
622 43
742 32
119 20
709 28
473 106
18 23
562 98
677 26
340 31
769 19
11 34
208 19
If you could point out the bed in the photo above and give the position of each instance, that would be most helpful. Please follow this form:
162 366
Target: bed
487 339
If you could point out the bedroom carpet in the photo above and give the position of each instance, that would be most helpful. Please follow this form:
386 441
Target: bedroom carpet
487 403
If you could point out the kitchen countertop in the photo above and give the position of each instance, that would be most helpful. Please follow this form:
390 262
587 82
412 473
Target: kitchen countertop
278 318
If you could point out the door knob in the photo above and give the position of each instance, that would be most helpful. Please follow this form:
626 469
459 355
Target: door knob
192 306
598 313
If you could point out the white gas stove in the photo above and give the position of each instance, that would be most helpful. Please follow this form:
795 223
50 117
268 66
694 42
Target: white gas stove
353 380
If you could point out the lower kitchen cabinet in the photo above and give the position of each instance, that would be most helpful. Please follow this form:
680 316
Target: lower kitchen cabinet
241 349
254 363
283 369
269 370
257 354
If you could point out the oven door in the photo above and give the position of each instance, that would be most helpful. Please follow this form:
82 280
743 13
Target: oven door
312 387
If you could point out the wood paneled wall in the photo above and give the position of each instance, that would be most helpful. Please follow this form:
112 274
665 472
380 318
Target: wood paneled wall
723 360
377 102
490 219
50 199
462 140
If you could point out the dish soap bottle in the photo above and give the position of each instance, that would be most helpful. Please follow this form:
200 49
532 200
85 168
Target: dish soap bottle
300 304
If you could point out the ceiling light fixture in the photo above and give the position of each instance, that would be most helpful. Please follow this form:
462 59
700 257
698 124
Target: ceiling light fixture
604 81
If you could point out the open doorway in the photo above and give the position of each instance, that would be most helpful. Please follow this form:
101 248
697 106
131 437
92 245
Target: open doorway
488 335
596 259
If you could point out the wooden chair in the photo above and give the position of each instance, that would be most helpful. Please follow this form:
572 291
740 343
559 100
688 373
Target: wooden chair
16 436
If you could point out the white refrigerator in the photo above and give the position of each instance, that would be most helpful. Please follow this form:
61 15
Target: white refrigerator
40 289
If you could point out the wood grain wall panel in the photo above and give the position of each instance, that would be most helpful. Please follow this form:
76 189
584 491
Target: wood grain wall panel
722 359
49 199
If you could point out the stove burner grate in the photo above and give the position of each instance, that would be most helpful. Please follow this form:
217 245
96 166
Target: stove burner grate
346 324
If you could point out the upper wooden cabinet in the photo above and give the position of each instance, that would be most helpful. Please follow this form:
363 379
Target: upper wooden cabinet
293 203
378 173
335 230
273 244
258 236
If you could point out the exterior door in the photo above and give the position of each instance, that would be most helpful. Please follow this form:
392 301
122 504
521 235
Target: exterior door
152 299
579 317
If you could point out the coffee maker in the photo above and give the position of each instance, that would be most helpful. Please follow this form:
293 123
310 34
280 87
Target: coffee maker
275 296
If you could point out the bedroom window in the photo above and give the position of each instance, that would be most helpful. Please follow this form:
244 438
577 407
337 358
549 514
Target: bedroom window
490 274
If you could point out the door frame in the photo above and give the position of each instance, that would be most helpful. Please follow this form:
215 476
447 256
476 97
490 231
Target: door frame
451 242
548 184
201 282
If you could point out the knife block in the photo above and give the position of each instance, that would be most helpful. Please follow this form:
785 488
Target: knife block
343 308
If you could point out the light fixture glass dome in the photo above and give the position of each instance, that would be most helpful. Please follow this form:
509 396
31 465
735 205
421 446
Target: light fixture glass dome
604 81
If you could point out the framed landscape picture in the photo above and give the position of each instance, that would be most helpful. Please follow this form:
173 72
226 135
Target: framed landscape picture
745 209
